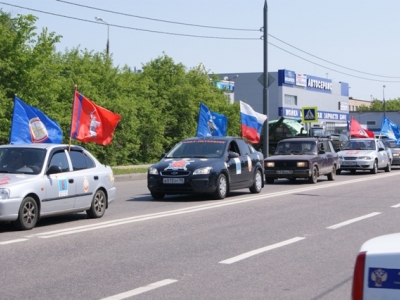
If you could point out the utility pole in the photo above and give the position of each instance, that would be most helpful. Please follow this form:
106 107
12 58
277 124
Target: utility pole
265 83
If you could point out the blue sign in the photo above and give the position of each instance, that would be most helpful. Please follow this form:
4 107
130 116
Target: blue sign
290 112
289 77
382 278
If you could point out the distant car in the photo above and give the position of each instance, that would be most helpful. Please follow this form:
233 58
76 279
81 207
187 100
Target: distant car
207 165
43 180
377 269
395 150
368 154
305 157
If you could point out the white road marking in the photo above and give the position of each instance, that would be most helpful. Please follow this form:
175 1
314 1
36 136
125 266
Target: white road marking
260 250
192 209
353 220
396 206
141 290
13 241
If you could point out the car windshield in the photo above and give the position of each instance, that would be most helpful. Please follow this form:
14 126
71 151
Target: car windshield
391 144
359 145
198 148
296 147
21 160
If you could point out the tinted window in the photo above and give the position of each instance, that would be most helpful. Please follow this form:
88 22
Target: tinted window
243 147
80 161
60 159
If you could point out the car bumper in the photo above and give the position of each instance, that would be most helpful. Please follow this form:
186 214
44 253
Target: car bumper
192 185
9 209
287 173
396 160
112 193
357 164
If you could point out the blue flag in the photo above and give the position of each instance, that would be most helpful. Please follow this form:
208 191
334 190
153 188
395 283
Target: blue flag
390 129
211 123
30 125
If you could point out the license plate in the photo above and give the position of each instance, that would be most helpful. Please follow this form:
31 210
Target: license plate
174 180
284 172
349 163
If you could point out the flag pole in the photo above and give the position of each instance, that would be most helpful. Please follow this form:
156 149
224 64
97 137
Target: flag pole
72 116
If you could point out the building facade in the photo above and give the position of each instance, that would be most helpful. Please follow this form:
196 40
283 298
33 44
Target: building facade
289 92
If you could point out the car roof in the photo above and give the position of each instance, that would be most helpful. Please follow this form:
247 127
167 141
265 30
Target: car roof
215 138
304 139
41 146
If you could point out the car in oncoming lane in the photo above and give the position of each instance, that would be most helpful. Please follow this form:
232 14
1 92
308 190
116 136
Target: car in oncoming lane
305 157
43 180
368 154
377 269
395 149
207 165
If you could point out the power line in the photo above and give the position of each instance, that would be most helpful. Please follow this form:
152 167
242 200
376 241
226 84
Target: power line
133 28
157 20
329 61
329 68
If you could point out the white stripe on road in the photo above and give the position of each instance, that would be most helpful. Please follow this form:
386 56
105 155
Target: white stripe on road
353 220
260 250
396 206
13 241
141 290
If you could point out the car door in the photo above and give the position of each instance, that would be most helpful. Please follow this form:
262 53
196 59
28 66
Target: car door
59 187
246 161
382 155
330 155
323 159
235 166
86 178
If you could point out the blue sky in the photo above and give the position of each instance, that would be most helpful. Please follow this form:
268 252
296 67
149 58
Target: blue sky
351 41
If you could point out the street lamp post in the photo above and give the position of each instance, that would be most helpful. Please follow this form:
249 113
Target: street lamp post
108 33
384 102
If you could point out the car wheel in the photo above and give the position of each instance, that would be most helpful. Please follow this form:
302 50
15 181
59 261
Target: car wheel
269 180
388 167
332 174
257 184
98 207
157 196
28 214
338 171
222 187
374 169
314 176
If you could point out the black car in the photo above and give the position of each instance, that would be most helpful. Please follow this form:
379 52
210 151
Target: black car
309 158
207 165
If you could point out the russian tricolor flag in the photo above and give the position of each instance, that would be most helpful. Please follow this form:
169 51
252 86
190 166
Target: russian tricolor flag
252 123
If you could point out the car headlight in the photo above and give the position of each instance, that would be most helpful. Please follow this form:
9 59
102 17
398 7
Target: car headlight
302 164
153 171
202 171
396 154
365 157
4 193
269 164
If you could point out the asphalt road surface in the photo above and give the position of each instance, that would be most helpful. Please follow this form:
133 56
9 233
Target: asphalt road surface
291 241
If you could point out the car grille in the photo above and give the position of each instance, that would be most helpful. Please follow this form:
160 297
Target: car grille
286 165
349 158
175 173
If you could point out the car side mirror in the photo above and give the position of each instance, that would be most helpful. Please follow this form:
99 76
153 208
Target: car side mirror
54 170
232 154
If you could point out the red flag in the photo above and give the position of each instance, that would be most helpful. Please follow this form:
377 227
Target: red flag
92 123
357 131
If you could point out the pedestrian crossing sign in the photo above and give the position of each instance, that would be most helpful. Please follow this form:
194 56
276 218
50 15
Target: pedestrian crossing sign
309 114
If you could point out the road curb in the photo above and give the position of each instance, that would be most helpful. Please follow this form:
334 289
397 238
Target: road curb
127 177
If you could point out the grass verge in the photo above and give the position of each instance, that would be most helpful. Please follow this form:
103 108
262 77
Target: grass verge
119 171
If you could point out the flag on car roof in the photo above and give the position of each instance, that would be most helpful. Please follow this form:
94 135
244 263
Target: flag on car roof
357 131
92 123
211 123
252 123
30 125
390 129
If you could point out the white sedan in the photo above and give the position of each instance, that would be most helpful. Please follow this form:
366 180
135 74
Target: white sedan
377 269
364 154
42 180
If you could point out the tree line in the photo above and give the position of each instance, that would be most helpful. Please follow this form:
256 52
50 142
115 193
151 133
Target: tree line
158 107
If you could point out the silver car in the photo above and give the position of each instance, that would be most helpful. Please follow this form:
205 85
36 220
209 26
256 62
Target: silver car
364 154
42 180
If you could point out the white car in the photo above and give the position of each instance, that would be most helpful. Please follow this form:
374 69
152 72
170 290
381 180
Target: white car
377 269
364 154
41 180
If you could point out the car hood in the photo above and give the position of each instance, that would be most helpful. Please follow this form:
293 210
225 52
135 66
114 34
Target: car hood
187 164
8 179
356 153
290 157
